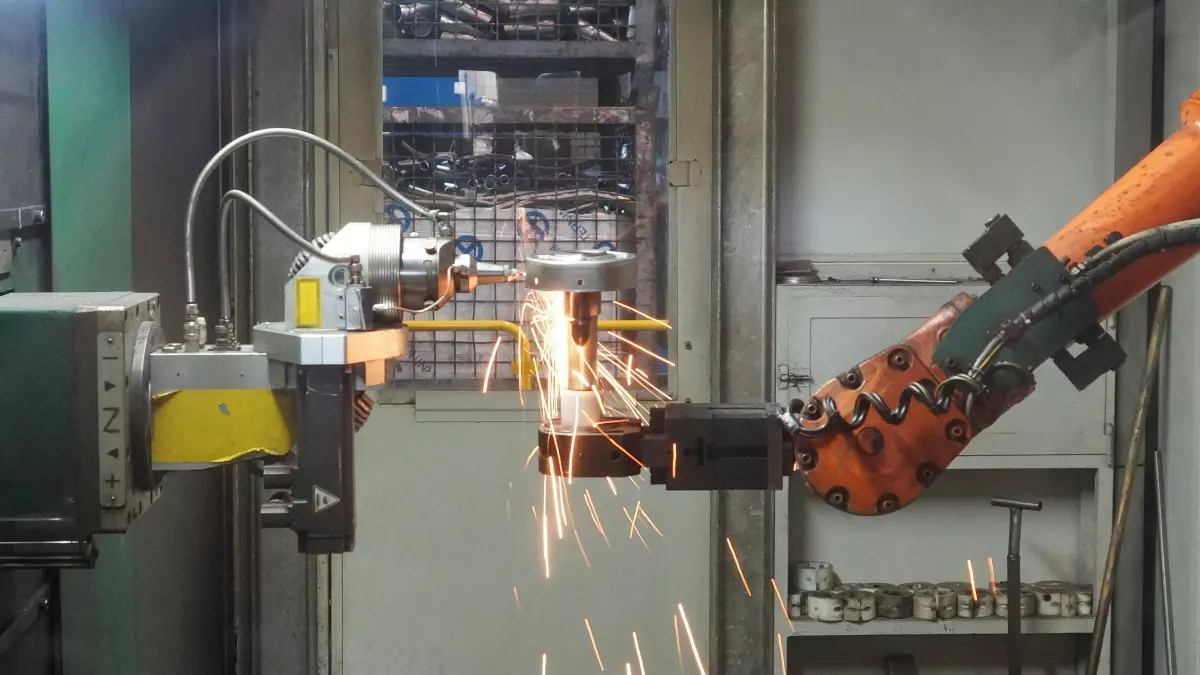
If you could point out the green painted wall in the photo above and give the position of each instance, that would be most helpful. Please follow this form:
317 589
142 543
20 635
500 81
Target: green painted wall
87 74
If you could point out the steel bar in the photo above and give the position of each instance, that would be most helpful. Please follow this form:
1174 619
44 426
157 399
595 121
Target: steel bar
1133 456
28 615
1016 509
1164 563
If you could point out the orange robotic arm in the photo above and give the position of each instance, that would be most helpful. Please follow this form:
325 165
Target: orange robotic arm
873 439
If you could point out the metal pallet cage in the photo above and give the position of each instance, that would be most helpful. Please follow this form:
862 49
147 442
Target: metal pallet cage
533 123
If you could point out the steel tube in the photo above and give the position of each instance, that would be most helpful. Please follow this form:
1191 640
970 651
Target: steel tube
227 202
1133 455
1164 563
1015 656
232 146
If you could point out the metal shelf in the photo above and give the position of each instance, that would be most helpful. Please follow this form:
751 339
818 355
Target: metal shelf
993 626
508 115
507 49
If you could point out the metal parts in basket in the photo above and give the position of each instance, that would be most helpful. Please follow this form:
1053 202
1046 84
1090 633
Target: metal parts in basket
599 20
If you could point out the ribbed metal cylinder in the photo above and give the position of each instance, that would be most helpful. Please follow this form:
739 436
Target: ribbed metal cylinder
385 247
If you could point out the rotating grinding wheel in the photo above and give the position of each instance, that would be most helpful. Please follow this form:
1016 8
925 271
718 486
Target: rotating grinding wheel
579 438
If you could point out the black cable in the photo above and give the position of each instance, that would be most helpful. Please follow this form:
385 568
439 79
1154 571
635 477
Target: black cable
1150 242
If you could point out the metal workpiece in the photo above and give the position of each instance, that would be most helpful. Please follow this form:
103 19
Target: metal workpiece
826 606
859 605
209 368
588 270
1027 608
329 347
893 603
810 576
583 313
590 454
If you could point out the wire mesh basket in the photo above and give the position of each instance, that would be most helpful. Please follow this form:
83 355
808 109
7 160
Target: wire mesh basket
512 189
551 20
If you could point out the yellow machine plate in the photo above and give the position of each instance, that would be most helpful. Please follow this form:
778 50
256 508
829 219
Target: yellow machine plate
308 302
218 426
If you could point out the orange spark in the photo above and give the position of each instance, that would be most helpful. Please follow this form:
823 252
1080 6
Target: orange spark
782 607
635 528
971 578
674 458
992 574
517 598
612 485
593 639
530 457
691 639
641 314
637 648
640 377
678 647
580 542
629 371
558 512
600 400
491 365
633 523
543 663
582 380
646 517
536 522
635 483
587 497
782 658
738 565
635 345
571 450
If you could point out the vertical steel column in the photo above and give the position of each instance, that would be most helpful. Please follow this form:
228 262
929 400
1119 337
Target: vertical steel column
281 55
743 625
87 80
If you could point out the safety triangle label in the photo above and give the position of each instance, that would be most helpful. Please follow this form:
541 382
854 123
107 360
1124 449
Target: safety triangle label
323 499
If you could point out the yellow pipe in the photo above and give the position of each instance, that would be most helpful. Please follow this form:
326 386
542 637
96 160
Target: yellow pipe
634 325
524 367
